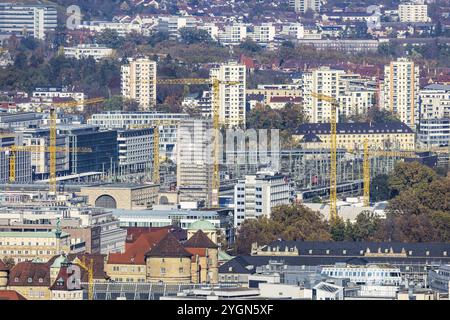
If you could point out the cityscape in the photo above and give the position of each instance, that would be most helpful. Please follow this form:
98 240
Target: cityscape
202 150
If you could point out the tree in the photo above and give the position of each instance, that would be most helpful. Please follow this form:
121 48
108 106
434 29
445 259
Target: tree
110 38
411 175
250 45
379 188
191 35
288 222
365 227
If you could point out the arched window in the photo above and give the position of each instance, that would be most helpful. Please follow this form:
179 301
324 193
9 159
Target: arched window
106 201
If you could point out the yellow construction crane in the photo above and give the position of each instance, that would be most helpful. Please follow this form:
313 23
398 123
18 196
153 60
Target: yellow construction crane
14 149
216 123
333 152
52 125
156 157
89 267
366 165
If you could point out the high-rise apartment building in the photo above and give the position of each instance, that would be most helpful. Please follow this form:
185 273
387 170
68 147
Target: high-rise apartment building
401 90
354 96
33 20
233 34
195 161
303 6
232 96
139 82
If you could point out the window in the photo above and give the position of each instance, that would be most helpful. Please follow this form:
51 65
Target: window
163 270
181 270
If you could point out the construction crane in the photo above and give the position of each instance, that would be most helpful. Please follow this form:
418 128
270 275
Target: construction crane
89 267
333 152
14 149
216 123
156 157
52 125
366 165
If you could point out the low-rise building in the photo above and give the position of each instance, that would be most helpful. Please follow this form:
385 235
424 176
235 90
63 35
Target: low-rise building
83 51
351 136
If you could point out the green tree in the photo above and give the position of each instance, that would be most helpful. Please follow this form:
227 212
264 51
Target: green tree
410 175
191 35
379 188
250 46
110 38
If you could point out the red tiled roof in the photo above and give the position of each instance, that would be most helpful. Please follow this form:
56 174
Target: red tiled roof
135 252
11 295
133 233
61 281
200 240
285 99
169 247
30 274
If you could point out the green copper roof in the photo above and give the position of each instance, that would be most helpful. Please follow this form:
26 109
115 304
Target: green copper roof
202 225
223 256
59 261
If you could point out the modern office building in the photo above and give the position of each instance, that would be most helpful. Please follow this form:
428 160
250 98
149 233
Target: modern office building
400 94
11 121
135 150
103 144
24 19
126 120
139 81
256 195
232 96
195 162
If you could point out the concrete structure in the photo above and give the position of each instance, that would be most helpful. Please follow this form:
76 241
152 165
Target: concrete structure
195 161
263 34
84 51
135 150
232 96
121 196
34 20
173 24
138 81
258 194
400 93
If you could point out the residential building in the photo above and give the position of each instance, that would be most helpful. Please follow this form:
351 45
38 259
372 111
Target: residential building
33 20
59 92
233 34
413 12
256 195
212 30
302 6
138 81
338 84
135 150
434 123
263 34
84 51
232 96
400 92
195 162
351 136
173 24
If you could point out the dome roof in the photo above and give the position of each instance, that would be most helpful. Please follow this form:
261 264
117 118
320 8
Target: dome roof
202 225
59 261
